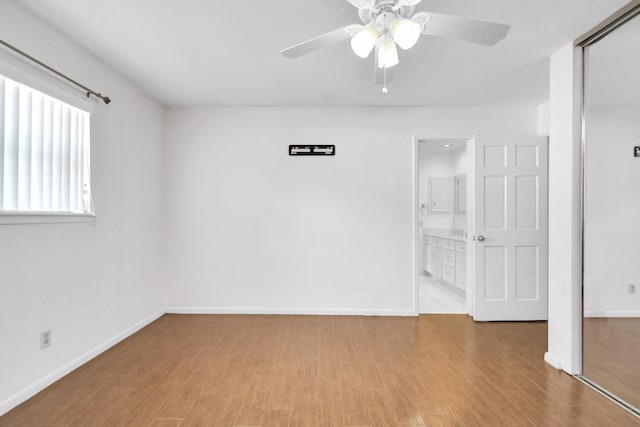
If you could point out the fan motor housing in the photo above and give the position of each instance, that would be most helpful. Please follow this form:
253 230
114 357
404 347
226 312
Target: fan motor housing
381 6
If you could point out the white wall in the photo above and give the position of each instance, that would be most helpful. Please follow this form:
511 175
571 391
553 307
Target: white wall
88 283
250 229
460 162
543 119
564 212
612 206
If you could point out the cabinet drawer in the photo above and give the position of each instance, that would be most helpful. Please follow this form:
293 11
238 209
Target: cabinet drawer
449 273
461 247
437 241
449 257
449 244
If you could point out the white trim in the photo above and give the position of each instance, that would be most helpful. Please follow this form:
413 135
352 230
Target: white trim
552 360
576 284
416 225
10 217
300 311
38 386
30 391
612 313
471 231
417 139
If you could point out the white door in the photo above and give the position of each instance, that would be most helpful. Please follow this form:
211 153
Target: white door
510 228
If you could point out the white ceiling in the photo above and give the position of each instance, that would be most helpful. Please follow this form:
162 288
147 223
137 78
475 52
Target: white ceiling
214 52
438 145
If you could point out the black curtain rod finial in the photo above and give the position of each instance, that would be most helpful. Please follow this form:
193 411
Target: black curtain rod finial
105 99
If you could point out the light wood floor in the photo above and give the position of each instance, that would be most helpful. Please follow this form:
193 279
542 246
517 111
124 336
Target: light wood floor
612 355
435 370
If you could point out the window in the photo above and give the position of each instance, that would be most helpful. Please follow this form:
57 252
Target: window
44 154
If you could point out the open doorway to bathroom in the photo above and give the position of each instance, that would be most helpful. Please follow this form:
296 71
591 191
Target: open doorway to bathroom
442 226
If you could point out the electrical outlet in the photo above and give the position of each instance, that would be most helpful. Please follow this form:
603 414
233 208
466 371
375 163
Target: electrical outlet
632 288
45 339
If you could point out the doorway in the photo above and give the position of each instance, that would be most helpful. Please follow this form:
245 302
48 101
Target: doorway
442 226
481 226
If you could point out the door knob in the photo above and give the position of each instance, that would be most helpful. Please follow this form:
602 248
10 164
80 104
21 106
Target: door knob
481 238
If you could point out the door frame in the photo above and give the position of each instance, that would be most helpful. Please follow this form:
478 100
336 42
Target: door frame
470 255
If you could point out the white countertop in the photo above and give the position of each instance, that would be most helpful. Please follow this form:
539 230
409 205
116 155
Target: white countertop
444 234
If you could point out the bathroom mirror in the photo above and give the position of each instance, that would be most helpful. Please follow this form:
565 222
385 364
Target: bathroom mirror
440 195
460 193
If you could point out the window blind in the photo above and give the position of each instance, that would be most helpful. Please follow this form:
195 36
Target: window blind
44 152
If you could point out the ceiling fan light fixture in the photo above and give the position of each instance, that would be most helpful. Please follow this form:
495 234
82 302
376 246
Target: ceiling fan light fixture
364 42
405 32
387 53
387 23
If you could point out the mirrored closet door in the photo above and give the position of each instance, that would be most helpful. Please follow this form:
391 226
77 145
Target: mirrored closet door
611 280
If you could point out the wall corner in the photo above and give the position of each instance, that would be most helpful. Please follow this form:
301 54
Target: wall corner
565 211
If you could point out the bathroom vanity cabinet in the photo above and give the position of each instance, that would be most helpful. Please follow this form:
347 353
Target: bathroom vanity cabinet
446 258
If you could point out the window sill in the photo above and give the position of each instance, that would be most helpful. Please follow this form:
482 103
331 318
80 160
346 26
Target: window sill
16 217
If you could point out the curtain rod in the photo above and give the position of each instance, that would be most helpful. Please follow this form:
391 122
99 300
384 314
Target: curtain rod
90 92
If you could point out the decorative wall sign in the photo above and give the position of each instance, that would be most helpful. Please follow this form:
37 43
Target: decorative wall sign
636 152
312 150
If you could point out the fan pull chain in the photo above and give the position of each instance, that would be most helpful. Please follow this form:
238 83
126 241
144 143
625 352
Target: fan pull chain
384 88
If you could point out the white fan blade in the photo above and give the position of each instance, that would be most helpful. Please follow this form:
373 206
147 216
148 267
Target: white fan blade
421 18
454 27
335 36
363 4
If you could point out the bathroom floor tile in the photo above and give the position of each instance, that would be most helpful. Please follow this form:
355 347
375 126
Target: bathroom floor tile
436 298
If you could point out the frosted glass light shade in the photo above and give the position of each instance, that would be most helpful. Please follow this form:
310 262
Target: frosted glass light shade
364 42
405 32
387 53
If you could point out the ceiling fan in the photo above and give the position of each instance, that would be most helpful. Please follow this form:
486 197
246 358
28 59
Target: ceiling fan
391 23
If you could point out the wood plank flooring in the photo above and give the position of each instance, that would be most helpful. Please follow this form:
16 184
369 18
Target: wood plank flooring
435 370
612 355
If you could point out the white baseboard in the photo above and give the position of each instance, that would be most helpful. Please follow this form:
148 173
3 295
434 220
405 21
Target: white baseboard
300 311
28 392
38 386
612 313
552 360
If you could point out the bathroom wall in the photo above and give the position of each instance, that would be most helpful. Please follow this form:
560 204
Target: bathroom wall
435 161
